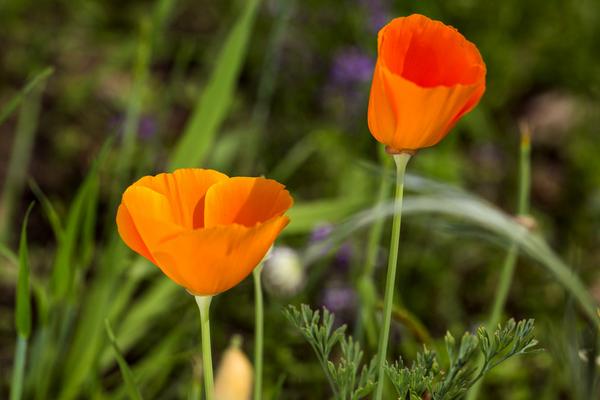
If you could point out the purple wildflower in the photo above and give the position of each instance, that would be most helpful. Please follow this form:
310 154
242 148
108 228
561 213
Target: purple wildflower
339 299
147 126
343 256
378 13
321 232
351 66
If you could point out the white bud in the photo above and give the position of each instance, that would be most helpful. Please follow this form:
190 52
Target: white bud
283 272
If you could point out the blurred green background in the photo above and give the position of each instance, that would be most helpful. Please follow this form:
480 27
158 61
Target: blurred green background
280 88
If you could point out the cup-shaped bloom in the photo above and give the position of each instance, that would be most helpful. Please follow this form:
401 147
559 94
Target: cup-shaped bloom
427 76
204 230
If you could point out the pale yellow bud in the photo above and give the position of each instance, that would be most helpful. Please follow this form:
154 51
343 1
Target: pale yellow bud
235 374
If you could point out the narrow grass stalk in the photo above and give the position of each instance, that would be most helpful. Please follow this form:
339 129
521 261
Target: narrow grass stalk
130 382
207 367
141 72
16 387
10 107
19 160
510 261
522 210
401 160
365 284
22 312
258 332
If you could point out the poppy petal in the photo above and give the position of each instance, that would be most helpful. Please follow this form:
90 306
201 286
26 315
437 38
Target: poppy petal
151 214
129 233
246 201
185 190
212 260
427 76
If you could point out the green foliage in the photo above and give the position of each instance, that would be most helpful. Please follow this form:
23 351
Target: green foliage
425 377
346 378
22 312
212 107
128 377
434 198
75 242
35 82
110 68
23 302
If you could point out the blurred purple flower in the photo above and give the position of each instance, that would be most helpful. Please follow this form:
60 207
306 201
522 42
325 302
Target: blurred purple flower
378 13
339 299
343 257
351 66
321 232
147 126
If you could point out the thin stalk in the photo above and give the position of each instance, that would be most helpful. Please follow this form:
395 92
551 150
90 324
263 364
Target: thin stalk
365 284
401 160
258 332
207 367
522 210
16 387
20 158
510 261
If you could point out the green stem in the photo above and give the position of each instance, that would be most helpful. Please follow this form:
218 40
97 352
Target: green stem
511 256
207 368
258 333
365 283
16 388
401 160
510 261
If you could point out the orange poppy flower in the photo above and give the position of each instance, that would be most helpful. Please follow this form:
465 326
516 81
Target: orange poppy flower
426 78
204 230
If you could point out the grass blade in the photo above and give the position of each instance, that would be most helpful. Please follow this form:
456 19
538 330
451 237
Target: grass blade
212 107
132 389
11 106
23 308
63 271
19 160
452 202
22 313
49 210
305 215
16 388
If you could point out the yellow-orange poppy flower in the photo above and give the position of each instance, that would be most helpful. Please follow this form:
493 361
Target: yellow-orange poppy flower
204 230
427 76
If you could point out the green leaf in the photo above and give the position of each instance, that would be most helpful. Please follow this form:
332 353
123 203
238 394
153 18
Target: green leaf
20 157
10 255
49 210
213 105
454 203
76 231
305 215
132 389
23 301
8 108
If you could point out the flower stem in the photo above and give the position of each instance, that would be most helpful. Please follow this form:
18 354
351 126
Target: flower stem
365 283
401 160
510 261
207 368
258 332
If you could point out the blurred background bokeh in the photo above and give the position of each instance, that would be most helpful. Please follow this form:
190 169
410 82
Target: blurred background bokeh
128 77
